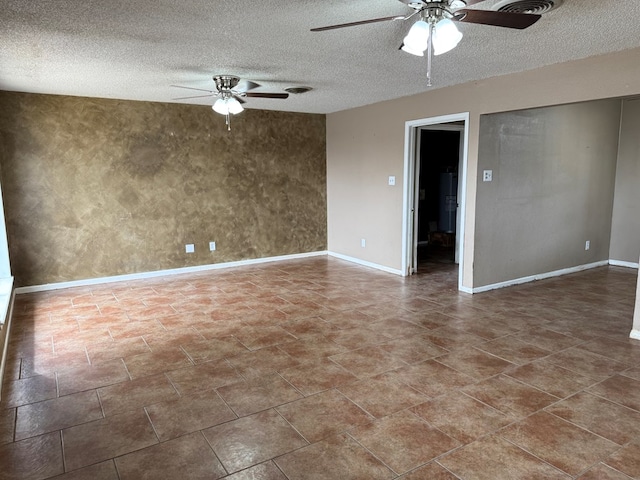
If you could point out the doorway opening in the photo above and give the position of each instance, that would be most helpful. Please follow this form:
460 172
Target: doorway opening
434 193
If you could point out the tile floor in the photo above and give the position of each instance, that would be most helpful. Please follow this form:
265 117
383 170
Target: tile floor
319 369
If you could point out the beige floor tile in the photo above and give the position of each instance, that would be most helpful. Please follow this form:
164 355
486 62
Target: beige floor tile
29 390
201 351
382 395
99 471
626 460
264 471
322 415
314 377
403 441
551 378
57 413
259 394
619 389
514 350
311 347
493 458
188 414
603 472
262 362
89 377
432 378
333 458
367 361
562 444
431 471
586 363
7 425
156 362
412 349
510 396
474 362
101 440
247 441
461 417
99 352
35 458
133 394
607 419
188 457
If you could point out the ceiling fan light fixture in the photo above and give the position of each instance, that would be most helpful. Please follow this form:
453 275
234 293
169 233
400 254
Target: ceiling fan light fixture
220 106
226 106
413 51
234 106
417 40
445 37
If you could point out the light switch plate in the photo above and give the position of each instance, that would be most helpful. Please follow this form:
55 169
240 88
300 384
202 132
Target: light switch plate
189 248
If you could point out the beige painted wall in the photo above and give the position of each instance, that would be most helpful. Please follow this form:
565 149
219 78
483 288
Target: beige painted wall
553 184
625 225
95 188
366 145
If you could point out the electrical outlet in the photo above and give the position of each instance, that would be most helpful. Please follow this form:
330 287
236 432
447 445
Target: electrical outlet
392 180
363 243
487 175
189 248
587 245
212 246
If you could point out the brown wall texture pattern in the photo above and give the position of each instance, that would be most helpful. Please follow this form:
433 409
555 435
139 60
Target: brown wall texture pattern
95 187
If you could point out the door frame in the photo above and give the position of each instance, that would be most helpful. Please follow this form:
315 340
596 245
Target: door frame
411 157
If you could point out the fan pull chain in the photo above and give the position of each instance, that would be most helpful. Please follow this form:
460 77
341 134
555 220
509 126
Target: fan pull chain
429 54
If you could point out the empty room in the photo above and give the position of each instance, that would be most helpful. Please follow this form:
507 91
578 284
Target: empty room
228 250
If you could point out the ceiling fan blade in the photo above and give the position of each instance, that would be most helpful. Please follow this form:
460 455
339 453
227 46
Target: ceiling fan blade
472 2
196 96
497 19
246 85
239 99
361 22
191 88
266 95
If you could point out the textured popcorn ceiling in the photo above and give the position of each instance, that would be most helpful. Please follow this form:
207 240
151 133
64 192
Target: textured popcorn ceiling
136 49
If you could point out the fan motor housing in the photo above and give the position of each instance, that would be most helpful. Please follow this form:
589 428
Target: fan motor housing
226 82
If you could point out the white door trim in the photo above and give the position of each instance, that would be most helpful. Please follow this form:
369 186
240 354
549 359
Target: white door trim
408 207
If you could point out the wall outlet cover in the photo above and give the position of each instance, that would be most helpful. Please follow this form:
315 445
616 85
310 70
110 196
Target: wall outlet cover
212 246
487 175
189 248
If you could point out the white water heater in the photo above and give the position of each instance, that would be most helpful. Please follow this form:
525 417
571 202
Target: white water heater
448 202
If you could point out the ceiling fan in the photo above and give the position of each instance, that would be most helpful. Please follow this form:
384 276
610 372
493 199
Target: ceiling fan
231 91
435 31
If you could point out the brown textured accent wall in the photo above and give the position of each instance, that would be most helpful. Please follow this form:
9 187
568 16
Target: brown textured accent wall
95 188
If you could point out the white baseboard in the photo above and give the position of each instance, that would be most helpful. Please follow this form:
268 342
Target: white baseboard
162 273
364 263
540 276
635 334
620 263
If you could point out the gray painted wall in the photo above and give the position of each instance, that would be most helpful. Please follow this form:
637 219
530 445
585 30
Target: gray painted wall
625 223
552 189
